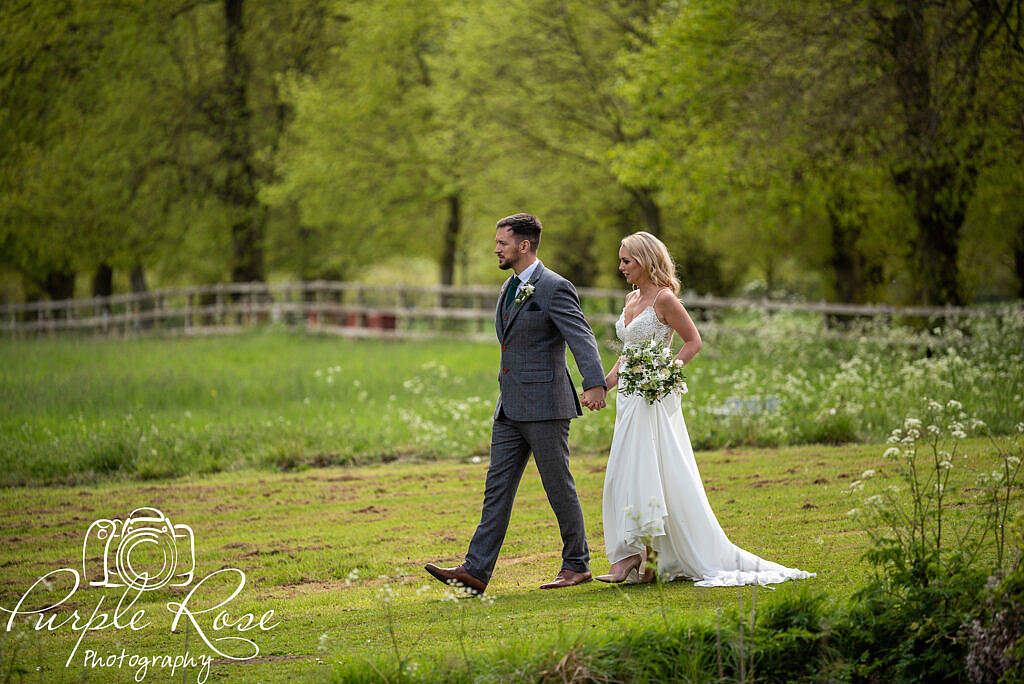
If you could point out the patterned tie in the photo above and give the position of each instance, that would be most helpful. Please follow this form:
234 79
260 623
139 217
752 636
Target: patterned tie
510 293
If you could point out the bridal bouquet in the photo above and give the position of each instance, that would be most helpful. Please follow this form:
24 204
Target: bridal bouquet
650 371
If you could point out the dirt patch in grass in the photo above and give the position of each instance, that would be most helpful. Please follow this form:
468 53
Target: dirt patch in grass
765 483
371 509
261 659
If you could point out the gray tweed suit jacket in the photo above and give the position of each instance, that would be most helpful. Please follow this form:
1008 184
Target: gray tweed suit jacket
534 379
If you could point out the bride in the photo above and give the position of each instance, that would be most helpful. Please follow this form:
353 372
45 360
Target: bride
652 489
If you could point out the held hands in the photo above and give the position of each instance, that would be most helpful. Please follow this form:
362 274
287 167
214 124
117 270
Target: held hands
593 398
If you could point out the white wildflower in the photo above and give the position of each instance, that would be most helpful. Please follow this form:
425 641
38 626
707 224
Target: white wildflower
867 473
892 452
352 576
954 405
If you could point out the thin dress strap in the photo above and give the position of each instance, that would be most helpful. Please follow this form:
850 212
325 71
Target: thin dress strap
658 295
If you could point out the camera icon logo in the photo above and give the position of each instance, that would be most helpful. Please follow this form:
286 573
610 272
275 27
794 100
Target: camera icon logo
144 551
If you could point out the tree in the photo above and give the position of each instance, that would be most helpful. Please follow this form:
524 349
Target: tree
377 158
825 92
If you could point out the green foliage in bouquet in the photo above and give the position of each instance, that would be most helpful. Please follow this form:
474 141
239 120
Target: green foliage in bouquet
650 371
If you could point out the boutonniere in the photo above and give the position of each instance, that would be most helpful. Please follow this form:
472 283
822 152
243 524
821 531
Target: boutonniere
524 294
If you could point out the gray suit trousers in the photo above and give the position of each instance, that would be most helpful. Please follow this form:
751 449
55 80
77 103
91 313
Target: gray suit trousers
511 444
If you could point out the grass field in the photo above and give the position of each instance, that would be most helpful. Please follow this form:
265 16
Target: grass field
83 411
319 546
329 471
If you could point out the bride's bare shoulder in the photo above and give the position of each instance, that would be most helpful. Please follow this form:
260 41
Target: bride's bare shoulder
666 303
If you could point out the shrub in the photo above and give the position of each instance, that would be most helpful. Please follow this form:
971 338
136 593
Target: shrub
906 624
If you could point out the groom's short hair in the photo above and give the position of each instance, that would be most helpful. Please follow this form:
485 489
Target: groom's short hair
523 227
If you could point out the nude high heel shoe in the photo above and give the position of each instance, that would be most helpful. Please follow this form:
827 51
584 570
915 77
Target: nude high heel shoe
631 573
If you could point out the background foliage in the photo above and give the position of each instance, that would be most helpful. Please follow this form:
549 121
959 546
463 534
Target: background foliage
867 150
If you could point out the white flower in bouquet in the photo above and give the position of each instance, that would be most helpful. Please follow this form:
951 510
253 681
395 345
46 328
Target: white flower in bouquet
650 371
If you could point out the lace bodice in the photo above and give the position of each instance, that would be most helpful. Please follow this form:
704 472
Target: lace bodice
645 326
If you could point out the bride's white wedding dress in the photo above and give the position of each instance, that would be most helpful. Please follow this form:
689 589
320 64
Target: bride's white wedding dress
653 491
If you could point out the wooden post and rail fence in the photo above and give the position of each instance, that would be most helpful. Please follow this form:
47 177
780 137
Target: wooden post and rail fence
400 311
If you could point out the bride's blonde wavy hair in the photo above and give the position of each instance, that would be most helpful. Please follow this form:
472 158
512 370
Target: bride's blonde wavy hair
652 255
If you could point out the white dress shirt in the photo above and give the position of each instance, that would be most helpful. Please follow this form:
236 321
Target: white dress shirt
524 277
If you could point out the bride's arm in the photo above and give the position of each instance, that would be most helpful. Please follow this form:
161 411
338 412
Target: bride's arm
671 311
612 379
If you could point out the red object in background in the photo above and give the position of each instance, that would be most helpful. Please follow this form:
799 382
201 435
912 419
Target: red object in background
381 321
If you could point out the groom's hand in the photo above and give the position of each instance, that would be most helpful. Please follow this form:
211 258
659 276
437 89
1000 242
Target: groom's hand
593 398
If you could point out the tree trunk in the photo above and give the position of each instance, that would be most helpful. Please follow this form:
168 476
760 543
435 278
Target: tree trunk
239 188
937 178
60 284
852 274
103 281
138 279
769 275
940 216
650 212
1018 259
451 244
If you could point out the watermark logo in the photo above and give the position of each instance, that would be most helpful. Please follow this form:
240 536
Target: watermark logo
145 536
143 553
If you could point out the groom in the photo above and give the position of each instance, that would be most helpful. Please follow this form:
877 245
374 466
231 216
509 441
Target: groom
538 312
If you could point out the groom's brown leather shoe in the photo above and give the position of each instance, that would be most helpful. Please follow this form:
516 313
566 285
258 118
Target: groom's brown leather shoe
567 578
457 576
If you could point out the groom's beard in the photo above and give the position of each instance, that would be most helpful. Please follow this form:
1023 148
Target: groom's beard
504 265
